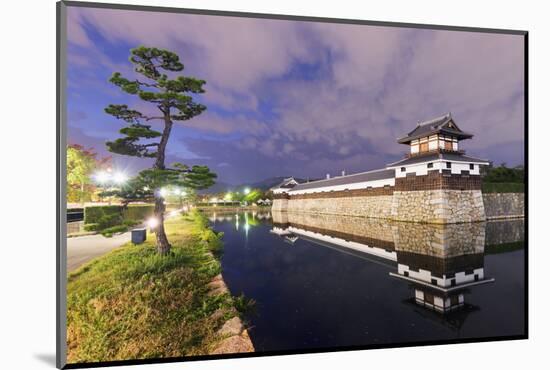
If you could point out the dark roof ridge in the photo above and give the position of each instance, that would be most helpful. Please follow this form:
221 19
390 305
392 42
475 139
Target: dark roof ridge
446 116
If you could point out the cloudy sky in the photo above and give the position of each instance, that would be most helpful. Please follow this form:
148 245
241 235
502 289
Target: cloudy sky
300 98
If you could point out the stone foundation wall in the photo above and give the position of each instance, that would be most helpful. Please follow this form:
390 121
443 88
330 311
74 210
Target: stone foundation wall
280 204
426 206
504 205
365 206
436 198
438 206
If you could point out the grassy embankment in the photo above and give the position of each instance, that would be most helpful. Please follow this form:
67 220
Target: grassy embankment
133 303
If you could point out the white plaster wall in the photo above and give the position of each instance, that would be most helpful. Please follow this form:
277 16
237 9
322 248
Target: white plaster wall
359 185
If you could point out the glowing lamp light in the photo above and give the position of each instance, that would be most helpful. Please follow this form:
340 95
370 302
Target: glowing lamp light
153 222
102 177
119 178
246 191
163 192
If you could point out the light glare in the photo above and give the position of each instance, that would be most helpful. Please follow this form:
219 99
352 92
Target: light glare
153 222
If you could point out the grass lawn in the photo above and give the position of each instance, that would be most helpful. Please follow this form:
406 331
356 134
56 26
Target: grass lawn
133 303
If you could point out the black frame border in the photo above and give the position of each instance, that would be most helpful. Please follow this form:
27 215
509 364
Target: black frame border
60 173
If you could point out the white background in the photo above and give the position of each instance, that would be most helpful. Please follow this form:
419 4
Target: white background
27 260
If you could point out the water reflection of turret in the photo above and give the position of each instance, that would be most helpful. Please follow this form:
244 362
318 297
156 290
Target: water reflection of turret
440 262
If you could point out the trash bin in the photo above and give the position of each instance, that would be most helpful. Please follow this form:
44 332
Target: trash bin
139 236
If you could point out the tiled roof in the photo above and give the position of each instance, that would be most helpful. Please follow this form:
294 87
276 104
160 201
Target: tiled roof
285 183
437 156
435 126
349 179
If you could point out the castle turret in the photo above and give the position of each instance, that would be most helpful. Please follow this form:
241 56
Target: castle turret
437 177
438 134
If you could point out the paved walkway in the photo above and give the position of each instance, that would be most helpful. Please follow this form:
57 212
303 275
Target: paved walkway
82 249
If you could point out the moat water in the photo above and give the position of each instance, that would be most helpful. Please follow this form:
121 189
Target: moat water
328 281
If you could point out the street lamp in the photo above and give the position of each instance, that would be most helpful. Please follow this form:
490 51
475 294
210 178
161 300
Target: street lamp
246 191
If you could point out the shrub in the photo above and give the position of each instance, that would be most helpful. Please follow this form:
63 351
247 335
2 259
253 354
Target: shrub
105 218
130 223
109 220
108 232
91 227
138 211
95 213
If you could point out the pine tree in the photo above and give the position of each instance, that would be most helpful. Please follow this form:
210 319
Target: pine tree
173 98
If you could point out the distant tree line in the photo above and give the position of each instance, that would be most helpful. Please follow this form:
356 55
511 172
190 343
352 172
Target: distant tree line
503 174
503 179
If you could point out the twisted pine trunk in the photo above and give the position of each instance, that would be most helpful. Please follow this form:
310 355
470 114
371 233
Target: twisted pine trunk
163 246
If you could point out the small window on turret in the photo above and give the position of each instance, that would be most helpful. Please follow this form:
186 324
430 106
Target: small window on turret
471 166
430 165
403 169
448 164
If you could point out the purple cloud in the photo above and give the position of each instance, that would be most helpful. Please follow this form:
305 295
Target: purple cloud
308 98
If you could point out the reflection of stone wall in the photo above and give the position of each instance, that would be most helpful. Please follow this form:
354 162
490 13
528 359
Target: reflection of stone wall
502 205
501 232
339 226
439 240
438 206
365 206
